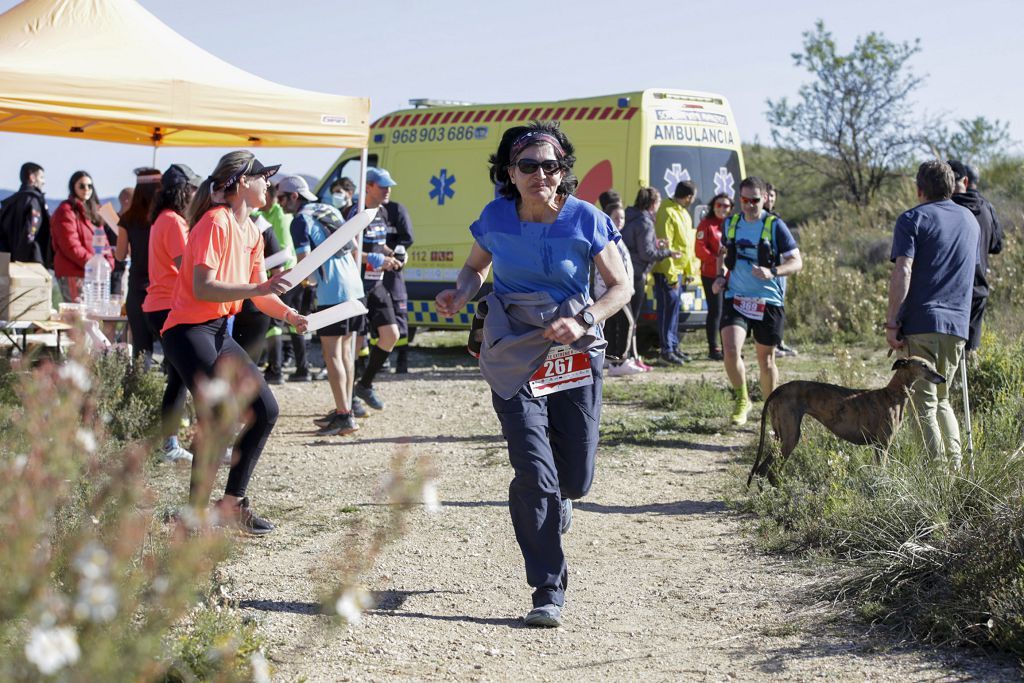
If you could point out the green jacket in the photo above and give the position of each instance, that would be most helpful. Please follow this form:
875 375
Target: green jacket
282 224
674 225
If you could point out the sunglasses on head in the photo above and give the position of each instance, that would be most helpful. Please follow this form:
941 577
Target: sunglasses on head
530 166
751 200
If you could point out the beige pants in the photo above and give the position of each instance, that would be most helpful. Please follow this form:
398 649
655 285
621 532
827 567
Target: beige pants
935 419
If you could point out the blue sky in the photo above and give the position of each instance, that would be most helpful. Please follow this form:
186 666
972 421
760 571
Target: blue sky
487 51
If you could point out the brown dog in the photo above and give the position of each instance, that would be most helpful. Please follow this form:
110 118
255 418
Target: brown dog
860 416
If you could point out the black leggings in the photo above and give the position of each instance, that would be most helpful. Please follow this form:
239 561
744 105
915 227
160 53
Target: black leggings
714 302
142 336
194 351
250 330
174 393
617 332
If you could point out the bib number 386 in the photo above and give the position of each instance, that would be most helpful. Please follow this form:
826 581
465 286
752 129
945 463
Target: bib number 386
564 368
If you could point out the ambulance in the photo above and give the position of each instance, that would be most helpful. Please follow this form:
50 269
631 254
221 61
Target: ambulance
437 152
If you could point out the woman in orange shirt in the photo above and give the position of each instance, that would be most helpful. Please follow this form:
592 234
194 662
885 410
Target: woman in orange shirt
167 238
221 266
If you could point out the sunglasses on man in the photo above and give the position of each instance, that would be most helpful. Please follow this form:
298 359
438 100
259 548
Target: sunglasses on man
530 166
751 200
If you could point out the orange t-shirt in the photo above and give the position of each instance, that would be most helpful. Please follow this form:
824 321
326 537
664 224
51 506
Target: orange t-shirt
167 238
233 252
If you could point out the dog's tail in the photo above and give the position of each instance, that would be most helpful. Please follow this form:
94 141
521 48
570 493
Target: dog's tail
760 444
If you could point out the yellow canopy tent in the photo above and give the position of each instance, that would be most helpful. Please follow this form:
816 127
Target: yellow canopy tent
110 70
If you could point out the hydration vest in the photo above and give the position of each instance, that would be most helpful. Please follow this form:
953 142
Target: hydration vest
329 218
766 256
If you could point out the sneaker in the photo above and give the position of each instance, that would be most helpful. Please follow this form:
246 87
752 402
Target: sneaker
319 375
741 408
358 408
565 512
369 396
672 359
716 354
339 426
626 367
300 376
682 355
545 616
642 365
273 377
176 454
326 419
783 350
242 518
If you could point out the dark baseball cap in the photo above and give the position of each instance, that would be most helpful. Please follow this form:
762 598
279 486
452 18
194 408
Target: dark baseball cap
959 168
180 174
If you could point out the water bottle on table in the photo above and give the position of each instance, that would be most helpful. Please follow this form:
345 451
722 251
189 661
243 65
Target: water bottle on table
96 285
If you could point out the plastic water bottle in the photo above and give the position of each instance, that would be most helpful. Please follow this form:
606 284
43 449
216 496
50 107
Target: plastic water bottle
400 255
96 285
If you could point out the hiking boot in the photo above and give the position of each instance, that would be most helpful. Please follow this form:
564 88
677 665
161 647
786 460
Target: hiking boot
741 407
545 616
716 354
682 355
242 518
358 408
340 425
565 512
369 396
273 377
672 359
300 376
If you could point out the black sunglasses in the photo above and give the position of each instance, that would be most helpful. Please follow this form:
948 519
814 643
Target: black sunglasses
530 166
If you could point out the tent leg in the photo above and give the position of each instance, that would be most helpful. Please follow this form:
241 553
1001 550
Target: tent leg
155 148
363 158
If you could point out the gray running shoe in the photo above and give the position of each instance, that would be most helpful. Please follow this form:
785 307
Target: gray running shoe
566 515
358 407
545 616
369 396
340 425
326 419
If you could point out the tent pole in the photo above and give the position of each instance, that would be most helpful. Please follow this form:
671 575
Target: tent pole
155 148
363 158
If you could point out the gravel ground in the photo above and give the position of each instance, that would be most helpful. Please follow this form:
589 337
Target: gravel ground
664 585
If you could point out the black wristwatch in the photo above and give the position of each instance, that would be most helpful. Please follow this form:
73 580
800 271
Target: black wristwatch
586 317
775 271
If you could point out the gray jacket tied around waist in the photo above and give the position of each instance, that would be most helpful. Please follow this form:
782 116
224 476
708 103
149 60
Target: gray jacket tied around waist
514 345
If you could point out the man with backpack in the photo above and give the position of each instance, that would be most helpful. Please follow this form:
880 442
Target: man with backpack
24 220
337 281
759 249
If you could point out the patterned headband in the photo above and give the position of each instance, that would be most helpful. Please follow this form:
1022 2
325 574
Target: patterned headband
535 137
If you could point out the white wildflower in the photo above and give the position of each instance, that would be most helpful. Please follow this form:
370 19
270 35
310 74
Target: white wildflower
52 649
97 601
86 439
260 667
430 499
347 607
216 391
92 561
19 463
77 374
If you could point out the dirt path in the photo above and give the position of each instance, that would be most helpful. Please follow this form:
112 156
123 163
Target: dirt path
664 585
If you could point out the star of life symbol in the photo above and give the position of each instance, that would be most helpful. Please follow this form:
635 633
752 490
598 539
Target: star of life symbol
674 175
442 183
724 182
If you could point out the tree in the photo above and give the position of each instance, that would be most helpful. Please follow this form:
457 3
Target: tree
855 116
976 141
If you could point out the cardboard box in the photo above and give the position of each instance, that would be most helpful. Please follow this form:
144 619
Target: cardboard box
25 290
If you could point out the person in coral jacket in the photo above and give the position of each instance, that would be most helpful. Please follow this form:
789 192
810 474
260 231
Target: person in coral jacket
72 228
707 246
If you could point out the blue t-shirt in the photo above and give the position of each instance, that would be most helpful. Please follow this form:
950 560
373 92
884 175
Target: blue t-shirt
337 280
538 257
741 278
942 239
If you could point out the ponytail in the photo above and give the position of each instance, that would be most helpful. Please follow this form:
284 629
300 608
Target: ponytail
213 190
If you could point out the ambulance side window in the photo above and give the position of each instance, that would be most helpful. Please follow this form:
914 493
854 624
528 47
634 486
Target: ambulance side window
349 168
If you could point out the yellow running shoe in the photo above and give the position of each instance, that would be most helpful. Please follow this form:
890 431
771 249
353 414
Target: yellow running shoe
741 408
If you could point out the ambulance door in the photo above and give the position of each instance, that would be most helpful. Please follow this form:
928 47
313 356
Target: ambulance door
347 168
720 173
672 164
